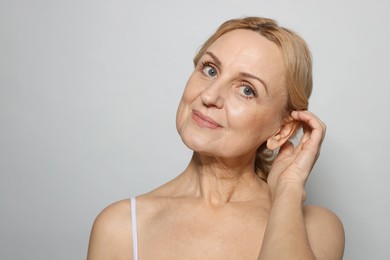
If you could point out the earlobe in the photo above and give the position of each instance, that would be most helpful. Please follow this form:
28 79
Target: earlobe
273 141
284 133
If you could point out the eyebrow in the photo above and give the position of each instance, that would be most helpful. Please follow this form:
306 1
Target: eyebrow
247 75
242 74
215 58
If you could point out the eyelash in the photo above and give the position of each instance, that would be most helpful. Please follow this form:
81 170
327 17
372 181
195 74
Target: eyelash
205 64
247 85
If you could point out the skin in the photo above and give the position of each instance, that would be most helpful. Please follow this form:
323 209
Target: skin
218 208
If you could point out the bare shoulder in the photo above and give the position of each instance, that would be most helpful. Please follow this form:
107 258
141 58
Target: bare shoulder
325 232
110 235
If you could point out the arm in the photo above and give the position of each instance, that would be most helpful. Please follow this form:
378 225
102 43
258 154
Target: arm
295 232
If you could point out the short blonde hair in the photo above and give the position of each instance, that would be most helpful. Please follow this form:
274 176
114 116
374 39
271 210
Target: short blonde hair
298 68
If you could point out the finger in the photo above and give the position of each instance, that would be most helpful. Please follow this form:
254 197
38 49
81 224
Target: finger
286 149
313 128
309 119
309 147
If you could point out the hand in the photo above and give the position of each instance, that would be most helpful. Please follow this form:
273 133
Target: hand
293 164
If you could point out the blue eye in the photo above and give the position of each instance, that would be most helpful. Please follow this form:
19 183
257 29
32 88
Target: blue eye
209 70
247 91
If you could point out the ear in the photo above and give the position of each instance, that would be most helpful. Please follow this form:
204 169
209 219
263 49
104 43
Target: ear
284 133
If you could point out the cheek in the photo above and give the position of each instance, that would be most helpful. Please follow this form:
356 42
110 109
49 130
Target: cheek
180 115
253 120
188 98
191 92
241 113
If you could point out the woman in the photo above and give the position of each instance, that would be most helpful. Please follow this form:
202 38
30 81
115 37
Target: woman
247 97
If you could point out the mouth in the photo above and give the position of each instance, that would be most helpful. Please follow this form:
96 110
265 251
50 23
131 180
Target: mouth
204 121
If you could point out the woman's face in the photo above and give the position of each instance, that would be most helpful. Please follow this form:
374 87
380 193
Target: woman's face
234 100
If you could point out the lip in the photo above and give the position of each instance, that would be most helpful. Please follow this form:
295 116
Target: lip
204 121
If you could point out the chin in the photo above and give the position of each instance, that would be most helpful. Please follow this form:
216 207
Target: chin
196 143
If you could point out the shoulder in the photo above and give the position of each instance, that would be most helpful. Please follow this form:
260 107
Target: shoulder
325 232
113 217
110 235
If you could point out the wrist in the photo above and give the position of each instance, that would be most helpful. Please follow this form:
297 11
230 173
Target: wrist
290 191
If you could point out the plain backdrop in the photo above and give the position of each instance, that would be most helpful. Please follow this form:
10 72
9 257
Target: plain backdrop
88 96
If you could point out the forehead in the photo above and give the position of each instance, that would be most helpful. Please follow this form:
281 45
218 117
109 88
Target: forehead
250 51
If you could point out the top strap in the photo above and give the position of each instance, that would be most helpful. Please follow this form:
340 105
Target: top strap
134 227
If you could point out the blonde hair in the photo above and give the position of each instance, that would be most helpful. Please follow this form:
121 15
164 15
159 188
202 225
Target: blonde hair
298 68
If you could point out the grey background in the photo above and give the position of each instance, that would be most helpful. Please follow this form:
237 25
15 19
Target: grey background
88 95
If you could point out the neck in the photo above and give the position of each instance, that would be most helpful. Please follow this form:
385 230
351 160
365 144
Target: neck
219 181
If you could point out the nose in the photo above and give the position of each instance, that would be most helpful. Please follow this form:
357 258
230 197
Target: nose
212 95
